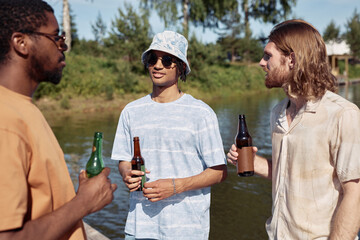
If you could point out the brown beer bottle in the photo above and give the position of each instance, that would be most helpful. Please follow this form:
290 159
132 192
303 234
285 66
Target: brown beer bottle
243 140
137 162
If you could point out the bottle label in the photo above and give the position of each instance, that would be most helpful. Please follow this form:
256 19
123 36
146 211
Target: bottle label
143 178
93 148
245 162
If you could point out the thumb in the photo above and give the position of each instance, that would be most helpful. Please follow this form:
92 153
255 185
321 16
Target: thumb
82 176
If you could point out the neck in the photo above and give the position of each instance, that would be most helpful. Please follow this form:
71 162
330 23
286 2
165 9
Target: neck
13 78
296 103
166 94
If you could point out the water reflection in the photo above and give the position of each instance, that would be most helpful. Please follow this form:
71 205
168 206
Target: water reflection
240 206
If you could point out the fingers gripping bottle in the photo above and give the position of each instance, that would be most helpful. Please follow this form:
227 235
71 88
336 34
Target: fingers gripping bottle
137 162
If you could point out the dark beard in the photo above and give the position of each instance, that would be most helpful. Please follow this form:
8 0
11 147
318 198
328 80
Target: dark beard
38 73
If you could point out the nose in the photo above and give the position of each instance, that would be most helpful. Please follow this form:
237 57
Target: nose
63 46
262 63
158 63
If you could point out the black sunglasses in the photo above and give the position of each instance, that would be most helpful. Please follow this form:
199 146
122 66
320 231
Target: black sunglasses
58 40
166 60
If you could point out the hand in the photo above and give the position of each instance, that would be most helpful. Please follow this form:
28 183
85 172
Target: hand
232 155
132 179
158 190
96 192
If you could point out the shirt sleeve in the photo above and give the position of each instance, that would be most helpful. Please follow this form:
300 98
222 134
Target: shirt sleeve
14 162
210 143
347 147
122 146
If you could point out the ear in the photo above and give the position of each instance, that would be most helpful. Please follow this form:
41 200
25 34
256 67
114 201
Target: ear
19 42
292 60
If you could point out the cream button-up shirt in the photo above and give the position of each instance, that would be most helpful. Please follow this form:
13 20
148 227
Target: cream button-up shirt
310 158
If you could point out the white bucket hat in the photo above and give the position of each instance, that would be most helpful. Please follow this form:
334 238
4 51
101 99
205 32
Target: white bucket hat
172 43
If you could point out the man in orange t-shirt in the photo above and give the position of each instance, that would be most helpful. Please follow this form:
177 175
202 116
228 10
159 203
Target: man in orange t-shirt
37 198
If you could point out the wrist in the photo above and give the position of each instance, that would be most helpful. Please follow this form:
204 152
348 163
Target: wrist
174 186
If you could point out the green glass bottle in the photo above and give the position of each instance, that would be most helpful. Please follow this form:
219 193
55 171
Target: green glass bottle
95 164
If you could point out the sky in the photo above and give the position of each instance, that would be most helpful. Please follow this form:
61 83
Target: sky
318 12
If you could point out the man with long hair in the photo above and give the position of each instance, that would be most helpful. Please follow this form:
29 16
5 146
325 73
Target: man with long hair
37 197
315 165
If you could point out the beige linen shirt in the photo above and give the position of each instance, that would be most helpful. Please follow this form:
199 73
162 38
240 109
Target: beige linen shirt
310 159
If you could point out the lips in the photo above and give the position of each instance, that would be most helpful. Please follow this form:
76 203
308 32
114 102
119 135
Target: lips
62 61
158 74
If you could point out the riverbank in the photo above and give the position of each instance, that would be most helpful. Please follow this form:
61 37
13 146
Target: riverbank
77 104
80 105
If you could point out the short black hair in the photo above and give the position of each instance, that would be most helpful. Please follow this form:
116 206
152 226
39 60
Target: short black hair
179 64
20 16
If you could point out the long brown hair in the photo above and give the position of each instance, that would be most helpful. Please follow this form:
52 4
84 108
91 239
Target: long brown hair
311 75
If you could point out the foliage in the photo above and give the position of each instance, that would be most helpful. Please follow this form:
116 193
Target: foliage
242 49
110 67
268 11
206 13
99 30
354 69
353 34
130 36
332 32
89 76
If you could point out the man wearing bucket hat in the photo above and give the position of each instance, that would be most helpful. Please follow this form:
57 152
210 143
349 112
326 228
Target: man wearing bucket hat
181 146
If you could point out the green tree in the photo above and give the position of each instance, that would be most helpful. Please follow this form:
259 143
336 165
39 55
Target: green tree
130 34
99 29
206 13
268 11
353 34
332 32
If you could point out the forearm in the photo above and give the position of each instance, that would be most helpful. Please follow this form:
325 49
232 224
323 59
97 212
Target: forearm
346 222
51 226
263 167
207 178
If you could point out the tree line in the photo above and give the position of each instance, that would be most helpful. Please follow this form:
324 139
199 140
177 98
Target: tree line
130 31
110 66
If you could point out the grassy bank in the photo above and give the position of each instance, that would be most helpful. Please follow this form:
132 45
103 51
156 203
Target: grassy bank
100 84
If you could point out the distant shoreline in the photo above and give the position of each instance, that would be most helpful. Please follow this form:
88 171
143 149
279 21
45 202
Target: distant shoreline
51 107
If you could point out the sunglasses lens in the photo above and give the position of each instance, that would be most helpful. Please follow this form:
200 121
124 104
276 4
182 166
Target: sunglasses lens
166 61
152 59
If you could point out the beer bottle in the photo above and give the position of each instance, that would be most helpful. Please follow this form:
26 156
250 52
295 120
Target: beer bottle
137 162
243 140
95 164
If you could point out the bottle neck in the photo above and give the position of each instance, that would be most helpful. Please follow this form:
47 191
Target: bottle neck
97 146
242 127
137 148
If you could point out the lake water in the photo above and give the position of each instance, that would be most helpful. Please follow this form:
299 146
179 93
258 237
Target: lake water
239 206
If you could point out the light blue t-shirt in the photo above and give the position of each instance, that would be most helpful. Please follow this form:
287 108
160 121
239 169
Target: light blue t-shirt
177 139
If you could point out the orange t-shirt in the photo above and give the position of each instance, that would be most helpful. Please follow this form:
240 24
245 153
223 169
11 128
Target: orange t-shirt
34 178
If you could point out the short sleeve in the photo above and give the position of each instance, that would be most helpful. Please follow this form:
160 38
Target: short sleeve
347 147
122 145
14 162
210 142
